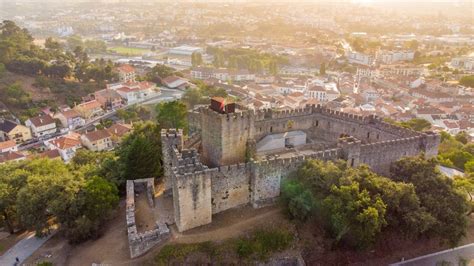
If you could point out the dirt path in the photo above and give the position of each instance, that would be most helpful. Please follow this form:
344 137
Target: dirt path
244 219
112 247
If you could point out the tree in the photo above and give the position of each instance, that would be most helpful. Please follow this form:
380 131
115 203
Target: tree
417 124
467 81
458 157
172 115
298 200
2 70
158 73
52 44
139 155
96 200
196 59
354 216
74 41
12 179
462 137
273 68
322 69
15 95
437 195
465 184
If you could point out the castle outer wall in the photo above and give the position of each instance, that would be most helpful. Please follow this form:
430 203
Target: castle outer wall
200 191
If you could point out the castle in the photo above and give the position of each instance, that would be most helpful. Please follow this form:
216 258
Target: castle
236 156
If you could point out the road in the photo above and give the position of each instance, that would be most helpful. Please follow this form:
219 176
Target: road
23 249
166 95
447 257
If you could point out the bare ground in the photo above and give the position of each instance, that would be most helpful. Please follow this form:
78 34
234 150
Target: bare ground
112 247
144 217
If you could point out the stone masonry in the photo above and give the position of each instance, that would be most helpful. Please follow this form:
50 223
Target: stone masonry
139 243
224 176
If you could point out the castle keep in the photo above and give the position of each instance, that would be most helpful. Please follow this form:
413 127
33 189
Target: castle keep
238 157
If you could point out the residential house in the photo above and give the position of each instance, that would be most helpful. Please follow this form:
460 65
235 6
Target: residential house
174 82
89 109
41 125
10 130
50 154
11 156
432 96
9 145
66 145
99 140
118 131
370 95
70 119
126 73
135 92
109 99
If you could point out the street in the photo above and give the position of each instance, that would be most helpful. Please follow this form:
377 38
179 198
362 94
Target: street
453 256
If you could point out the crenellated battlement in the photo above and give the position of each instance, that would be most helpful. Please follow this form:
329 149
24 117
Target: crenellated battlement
387 145
171 133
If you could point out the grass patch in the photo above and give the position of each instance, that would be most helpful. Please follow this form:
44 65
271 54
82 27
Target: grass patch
258 246
263 243
128 50
179 252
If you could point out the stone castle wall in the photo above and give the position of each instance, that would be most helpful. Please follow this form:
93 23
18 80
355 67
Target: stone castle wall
139 243
199 191
225 136
230 187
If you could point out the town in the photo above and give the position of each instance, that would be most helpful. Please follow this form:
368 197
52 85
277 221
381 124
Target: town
190 114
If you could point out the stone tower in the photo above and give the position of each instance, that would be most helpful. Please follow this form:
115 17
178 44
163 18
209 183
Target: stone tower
224 136
170 139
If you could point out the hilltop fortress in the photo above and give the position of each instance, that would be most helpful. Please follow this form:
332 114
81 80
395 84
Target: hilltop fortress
236 157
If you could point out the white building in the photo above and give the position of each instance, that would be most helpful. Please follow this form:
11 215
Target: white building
359 58
126 73
70 119
41 125
465 62
390 57
8 146
185 50
66 145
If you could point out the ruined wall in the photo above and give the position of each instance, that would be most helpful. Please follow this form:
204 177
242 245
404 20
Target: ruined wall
230 187
139 243
170 139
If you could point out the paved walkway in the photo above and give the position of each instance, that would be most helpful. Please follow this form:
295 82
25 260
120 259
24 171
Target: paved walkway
23 249
453 256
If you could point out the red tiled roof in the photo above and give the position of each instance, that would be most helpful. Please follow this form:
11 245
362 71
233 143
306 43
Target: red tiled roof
7 144
66 142
39 121
51 154
119 129
70 114
90 105
10 156
97 135
126 68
